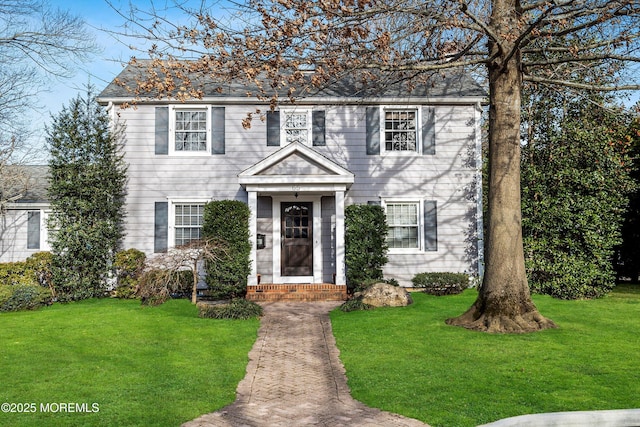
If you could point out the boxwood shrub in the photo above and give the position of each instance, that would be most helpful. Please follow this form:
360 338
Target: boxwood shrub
441 283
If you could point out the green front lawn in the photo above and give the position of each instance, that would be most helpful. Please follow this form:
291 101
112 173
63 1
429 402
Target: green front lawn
406 360
156 366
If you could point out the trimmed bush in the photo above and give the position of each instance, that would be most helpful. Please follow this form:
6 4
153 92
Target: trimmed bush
238 308
365 245
129 266
23 297
26 285
441 283
228 221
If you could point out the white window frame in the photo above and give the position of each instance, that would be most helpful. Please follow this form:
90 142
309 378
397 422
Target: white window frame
172 129
283 124
171 240
401 108
420 213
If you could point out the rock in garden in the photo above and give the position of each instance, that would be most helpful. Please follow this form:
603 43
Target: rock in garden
385 295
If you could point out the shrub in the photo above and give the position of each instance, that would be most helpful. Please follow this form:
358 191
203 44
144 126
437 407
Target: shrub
238 308
365 244
157 286
40 264
355 304
24 297
227 221
26 285
129 266
441 283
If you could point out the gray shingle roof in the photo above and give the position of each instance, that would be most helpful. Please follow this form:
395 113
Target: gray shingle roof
37 183
450 85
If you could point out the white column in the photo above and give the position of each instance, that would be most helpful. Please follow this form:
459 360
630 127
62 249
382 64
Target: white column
341 278
252 280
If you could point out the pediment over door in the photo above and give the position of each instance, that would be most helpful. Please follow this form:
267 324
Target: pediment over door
295 163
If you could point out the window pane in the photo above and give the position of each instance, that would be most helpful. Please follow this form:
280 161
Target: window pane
191 130
188 222
402 219
400 131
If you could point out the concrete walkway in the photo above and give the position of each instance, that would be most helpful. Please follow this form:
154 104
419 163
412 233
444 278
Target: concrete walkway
295 378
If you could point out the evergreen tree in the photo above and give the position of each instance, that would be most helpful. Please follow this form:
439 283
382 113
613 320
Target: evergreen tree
87 193
576 181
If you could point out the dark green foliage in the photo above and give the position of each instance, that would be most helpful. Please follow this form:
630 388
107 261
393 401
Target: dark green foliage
365 244
87 194
628 253
441 283
157 286
575 186
355 304
237 308
23 296
129 265
26 285
227 221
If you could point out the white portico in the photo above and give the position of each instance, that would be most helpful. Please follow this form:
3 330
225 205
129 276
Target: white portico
292 183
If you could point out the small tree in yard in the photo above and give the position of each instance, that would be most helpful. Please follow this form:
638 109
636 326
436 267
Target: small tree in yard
87 191
188 257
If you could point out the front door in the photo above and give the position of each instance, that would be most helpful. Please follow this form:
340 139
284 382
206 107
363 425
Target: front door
297 239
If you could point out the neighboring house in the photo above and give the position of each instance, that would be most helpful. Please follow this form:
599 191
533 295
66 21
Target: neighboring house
416 153
23 224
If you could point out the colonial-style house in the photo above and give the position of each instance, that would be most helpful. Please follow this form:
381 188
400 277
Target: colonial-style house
415 152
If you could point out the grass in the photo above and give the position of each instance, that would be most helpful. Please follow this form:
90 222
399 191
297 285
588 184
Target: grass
157 366
406 360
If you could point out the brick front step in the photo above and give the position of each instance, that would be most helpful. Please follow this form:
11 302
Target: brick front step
299 292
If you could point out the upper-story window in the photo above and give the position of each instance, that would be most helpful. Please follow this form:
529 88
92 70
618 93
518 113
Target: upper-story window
190 131
296 126
400 130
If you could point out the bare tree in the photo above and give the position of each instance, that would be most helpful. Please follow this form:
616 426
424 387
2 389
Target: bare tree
36 44
269 43
187 257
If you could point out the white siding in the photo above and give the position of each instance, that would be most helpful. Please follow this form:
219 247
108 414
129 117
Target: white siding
446 177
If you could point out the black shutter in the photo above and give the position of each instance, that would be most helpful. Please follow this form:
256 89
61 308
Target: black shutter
428 130
217 130
374 202
161 227
430 225
273 128
373 130
162 130
33 230
318 129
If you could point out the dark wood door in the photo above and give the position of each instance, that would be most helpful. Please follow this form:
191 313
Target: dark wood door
297 239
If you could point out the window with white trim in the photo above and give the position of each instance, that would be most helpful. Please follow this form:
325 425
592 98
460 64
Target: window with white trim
401 130
190 130
296 126
403 220
187 222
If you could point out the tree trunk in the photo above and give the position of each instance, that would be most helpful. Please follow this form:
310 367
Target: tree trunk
194 290
504 302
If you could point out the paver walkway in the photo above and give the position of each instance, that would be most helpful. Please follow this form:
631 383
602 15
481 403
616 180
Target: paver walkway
295 378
